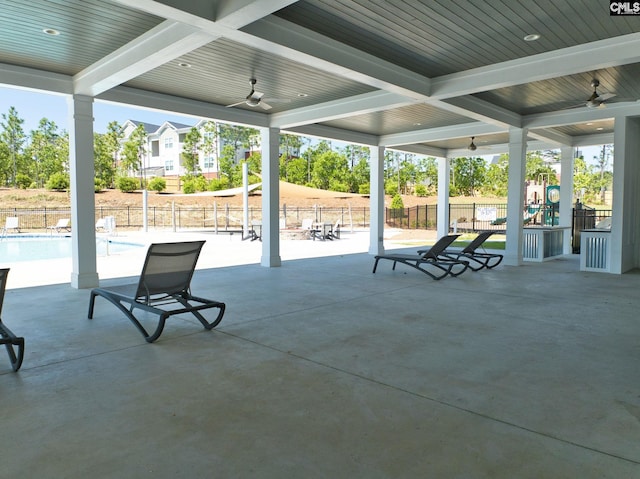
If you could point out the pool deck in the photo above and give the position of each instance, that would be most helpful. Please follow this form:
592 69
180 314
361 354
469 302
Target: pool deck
321 369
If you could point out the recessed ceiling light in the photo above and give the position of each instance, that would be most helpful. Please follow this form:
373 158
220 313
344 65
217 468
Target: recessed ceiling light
532 37
51 31
302 95
184 65
589 124
417 124
599 128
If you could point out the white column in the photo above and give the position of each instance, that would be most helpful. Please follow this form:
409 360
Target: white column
444 172
84 272
270 197
567 156
625 227
515 195
376 201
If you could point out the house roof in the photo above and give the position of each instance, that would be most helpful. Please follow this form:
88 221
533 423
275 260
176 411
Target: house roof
419 76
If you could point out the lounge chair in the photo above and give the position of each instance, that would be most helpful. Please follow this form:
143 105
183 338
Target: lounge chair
477 260
7 338
11 223
335 231
430 258
62 224
165 280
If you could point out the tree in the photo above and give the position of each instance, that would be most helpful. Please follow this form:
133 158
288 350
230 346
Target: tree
496 179
103 160
209 146
290 147
134 150
468 175
43 150
190 158
328 167
111 142
13 137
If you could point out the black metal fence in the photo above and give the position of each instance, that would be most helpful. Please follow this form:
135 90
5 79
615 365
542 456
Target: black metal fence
464 217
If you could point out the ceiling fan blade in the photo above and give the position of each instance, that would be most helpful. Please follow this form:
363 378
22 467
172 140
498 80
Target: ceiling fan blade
236 104
606 96
264 106
256 95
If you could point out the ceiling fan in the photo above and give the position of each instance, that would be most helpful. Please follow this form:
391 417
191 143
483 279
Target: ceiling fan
253 99
472 146
597 100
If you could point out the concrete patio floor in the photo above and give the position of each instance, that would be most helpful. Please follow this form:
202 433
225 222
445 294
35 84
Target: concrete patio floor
321 369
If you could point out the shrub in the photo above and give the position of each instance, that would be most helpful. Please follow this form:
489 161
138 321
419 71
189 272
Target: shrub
200 183
217 184
189 186
396 202
23 181
391 188
158 184
127 184
98 185
364 189
58 182
421 190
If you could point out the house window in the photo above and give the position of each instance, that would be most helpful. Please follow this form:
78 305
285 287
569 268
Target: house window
168 165
209 162
168 142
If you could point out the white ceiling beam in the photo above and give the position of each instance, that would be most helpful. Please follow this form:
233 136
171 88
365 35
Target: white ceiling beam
161 44
238 13
480 110
331 133
607 53
30 78
580 115
423 150
344 107
440 134
169 103
553 136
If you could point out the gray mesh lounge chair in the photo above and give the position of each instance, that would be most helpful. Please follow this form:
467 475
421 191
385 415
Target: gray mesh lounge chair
477 260
7 338
165 281
430 260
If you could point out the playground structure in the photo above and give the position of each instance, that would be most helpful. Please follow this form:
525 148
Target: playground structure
537 212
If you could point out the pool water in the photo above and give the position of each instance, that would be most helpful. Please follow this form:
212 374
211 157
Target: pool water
13 249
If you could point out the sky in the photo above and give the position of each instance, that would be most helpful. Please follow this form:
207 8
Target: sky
33 106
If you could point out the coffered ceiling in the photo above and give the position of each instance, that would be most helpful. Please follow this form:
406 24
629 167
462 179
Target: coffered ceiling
420 75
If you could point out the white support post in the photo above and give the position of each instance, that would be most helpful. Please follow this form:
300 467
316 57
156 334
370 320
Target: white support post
84 272
376 201
567 156
270 197
444 172
515 195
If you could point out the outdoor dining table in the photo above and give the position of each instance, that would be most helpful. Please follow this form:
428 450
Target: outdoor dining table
322 231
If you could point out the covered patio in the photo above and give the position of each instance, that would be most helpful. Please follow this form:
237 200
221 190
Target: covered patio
525 371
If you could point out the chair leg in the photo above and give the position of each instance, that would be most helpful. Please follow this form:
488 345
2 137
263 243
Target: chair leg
10 341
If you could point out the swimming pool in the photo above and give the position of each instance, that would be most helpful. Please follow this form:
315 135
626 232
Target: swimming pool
35 248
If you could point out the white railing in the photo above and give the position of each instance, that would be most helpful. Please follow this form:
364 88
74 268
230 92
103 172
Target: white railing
595 251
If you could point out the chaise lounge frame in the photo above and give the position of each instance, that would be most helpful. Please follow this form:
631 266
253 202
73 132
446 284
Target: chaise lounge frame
429 258
477 260
10 340
165 281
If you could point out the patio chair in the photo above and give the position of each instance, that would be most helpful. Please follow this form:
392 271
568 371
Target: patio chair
430 258
335 231
163 288
477 260
62 224
7 338
11 223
